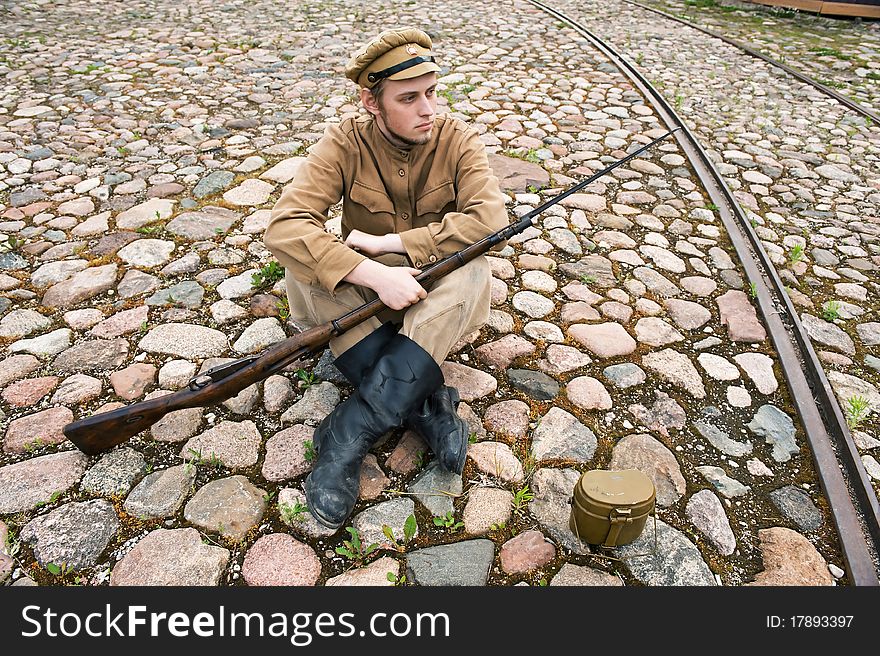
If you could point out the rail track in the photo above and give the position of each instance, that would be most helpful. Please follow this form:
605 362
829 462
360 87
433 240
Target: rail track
854 505
806 79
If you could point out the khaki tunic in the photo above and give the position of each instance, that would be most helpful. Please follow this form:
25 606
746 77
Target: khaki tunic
440 197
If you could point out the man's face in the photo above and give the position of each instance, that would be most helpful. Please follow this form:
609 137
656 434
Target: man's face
406 110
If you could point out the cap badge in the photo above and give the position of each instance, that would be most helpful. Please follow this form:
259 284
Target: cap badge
411 49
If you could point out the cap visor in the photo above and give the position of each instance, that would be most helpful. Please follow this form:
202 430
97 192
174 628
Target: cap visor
416 71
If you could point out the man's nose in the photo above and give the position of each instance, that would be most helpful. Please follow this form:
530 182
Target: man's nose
425 106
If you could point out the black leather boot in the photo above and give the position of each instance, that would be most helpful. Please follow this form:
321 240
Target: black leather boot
396 385
437 420
445 432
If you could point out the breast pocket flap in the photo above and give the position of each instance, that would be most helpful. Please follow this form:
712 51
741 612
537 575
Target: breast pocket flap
375 201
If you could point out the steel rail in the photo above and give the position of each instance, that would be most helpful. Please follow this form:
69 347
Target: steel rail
806 79
836 458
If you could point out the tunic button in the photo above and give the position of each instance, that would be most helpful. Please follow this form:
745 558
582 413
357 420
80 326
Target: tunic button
404 216
432 258
401 173
418 264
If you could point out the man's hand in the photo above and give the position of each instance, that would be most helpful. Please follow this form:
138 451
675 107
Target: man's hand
374 245
396 286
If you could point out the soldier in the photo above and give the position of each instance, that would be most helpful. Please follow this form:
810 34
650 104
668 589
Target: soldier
416 187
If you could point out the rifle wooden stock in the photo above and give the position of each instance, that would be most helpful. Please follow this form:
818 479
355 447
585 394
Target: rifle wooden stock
103 431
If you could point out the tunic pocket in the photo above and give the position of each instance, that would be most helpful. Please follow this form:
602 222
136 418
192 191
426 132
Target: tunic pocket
374 200
435 199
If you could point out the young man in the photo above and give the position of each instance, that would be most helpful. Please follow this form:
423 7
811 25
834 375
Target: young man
415 187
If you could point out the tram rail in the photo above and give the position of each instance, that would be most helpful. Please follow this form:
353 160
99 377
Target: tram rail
854 506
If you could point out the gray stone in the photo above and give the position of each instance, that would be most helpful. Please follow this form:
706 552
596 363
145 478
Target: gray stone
827 334
114 473
187 294
184 340
460 564
235 444
676 368
93 355
666 413
393 514
551 505
73 535
135 283
532 304
206 224
44 346
146 253
230 506
777 429
29 483
869 333
759 368
533 384
729 487
436 489
593 267
653 331
81 286
797 506
161 494
300 522
643 452
317 402
721 440
21 323
213 183
624 375
706 512
579 575
259 335
561 435
656 282
676 561
193 562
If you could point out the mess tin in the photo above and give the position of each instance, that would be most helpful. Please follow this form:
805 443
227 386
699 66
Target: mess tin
610 508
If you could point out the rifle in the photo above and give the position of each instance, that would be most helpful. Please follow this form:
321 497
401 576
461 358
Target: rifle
100 432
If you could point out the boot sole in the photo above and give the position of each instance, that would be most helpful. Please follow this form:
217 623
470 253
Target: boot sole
455 398
323 521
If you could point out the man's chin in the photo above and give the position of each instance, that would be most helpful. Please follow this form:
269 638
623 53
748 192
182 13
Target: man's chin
422 138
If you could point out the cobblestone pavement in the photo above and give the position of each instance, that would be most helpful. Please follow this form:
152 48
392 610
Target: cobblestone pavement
807 169
841 53
139 164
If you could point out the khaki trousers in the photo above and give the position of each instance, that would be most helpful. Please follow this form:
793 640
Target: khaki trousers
456 305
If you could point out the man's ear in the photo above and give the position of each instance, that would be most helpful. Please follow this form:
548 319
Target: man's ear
369 101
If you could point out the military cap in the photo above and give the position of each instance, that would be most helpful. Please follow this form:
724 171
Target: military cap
394 55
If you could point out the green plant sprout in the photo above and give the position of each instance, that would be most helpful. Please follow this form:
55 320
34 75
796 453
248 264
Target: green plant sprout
856 411
267 275
831 310
310 453
409 530
521 497
354 549
448 521
292 514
